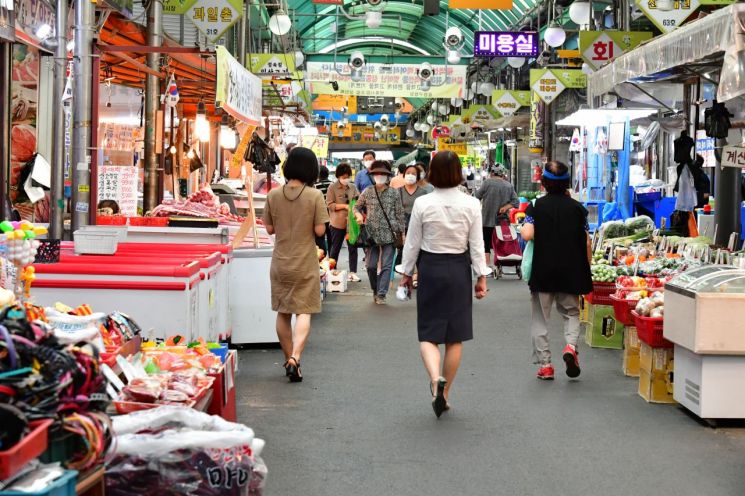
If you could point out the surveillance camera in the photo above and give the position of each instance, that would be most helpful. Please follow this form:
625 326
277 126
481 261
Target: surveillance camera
399 103
357 60
384 119
343 110
335 85
425 71
453 37
377 125
341 125
374 3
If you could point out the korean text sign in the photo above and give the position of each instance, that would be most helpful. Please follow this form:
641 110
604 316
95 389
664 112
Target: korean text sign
238 91
733 156
505 44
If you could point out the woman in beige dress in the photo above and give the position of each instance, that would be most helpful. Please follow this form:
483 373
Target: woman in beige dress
295 213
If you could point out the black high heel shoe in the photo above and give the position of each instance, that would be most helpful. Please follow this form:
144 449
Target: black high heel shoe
286 365
439 404
293 370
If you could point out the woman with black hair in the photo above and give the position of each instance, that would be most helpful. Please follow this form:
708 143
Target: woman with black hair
295 213
557 225
338 196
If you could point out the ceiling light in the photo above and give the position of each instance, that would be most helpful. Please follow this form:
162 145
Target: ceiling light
554 35
579 12
70 45
227 135
453 57
190 153
299 58
456 102
280 23
43 31
373 19
201 125
443 109
516 62
410 132
487 88
586 68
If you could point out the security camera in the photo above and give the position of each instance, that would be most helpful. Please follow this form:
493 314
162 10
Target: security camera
357 60
453 37
374 3
425 71
384 119
399 103
343 110
377 125
335 85
341 125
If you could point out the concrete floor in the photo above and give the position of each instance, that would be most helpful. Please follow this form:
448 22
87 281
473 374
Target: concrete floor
361 422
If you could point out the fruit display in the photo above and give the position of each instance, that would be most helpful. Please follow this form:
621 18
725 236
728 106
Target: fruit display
603 273
652 306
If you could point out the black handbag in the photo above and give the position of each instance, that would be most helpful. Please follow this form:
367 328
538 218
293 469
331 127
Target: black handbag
364 240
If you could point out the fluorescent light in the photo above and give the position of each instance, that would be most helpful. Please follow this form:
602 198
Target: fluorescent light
601 117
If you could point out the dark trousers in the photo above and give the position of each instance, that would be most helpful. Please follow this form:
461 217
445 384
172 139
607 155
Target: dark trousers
324 242
336 239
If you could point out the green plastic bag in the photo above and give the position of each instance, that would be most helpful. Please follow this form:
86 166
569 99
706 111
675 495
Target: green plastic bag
527 264
353 228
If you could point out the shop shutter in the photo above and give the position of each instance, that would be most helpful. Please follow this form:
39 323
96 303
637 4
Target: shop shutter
171 26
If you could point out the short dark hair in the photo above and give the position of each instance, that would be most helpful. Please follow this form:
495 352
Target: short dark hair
369 152
323 172
402 168
415 167
112 204
445 170
699 161
301 164
556 186
343 170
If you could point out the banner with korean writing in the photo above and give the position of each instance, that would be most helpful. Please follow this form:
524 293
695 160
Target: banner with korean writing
668 15
444 144
318 144
600 47
177 6
30 19
733 156
269 65
237 91
549 83
387 80
214 17
368 135
506 102
119 183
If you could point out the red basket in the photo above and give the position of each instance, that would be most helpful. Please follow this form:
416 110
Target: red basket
622 309
148 221
649 330
601 292
125 407
110 220
31 446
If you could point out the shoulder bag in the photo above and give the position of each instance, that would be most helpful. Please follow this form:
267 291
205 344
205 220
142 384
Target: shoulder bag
398 237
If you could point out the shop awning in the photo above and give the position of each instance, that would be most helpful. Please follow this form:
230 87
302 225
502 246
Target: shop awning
697 47
194 70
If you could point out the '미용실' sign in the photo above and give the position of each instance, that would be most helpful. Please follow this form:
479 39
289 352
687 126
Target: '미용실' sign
505 44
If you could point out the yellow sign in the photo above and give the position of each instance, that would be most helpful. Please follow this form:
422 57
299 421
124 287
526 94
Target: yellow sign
368 135
318 144
444 145
335 102
214 17
269 65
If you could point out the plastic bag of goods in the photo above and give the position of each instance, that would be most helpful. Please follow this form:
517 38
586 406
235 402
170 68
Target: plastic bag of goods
73 329
174 450
639 223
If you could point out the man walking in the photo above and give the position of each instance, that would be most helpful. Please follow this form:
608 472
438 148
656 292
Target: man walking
497 197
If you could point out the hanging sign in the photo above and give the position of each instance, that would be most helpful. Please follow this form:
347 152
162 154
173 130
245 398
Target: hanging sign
7 23
549 83
733 156
506 102
387 80
177 6
505 44
600 47
119 183
214 17
32 19
445 145
367 135
335 103
318 144
537 110
480 4
668 15
705 148
237 91
269 65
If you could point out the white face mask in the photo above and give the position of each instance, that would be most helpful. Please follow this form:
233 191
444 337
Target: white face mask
410 178
368 163
381 179
344 181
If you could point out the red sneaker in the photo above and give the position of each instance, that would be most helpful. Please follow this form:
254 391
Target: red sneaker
546 372
571 360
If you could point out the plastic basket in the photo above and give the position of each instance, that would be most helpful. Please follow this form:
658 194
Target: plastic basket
31 446
650 330
601 292
64 486
95 242
148 221
48 252
110 220
121 231
622 309
125 407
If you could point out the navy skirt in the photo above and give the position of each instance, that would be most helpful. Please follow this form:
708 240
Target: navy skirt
444 298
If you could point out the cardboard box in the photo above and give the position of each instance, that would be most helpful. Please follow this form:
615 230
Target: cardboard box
631 351
337 281
656 387
655 359
602 330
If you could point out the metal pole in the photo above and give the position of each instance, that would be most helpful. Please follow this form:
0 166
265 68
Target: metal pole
81 113
242 35
152 89
57 200
727 211
6 58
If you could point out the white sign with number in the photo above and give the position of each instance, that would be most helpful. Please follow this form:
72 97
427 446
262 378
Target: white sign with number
668 15
733 156
548 87
119 183
214 17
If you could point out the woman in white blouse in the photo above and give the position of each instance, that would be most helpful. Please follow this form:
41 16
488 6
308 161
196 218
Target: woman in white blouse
444 240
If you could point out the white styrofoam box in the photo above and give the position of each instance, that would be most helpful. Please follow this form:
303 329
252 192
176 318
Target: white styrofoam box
337 281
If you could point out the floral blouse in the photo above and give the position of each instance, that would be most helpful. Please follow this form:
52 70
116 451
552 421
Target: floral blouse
375 223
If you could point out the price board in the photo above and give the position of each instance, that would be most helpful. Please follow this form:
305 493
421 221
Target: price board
119 183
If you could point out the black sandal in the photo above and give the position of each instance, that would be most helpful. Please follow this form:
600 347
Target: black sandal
293 371
286 365
439 404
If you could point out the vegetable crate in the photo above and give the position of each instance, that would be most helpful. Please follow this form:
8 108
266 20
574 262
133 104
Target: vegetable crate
650 330
602 330
601 292
622 309
29 447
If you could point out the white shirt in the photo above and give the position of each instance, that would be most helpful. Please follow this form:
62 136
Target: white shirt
445 221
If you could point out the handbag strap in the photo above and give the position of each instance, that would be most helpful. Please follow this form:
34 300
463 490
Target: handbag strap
383 210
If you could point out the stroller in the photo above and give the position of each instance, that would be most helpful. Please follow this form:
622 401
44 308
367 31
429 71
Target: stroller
506 247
